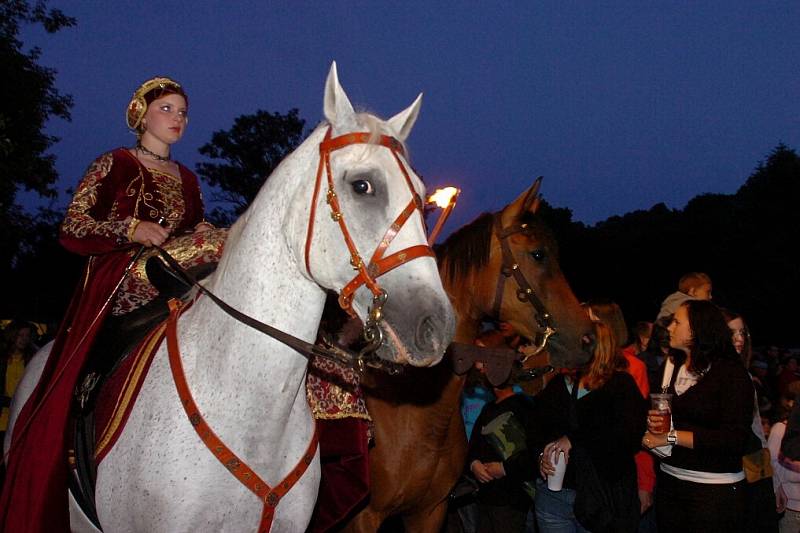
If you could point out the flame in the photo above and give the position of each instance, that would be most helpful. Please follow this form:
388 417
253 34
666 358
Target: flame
443 197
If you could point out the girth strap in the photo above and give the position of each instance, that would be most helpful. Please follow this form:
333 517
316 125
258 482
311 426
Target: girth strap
269 495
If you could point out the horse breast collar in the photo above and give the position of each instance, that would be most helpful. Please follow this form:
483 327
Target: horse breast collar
270 496
525 292
378 264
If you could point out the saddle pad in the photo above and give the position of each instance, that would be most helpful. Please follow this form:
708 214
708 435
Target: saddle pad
119 392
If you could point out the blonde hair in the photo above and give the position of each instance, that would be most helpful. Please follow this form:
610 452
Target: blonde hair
693 280
606 359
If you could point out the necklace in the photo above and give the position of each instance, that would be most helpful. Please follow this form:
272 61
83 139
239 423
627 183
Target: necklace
152 154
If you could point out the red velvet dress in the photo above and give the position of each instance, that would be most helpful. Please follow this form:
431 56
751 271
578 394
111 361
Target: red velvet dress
115 188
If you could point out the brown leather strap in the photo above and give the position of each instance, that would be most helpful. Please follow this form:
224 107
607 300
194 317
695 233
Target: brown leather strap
270 496
378 265
510 267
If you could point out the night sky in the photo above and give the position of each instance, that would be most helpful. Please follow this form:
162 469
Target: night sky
620 106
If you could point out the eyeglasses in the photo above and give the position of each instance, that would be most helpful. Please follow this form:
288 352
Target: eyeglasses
740 333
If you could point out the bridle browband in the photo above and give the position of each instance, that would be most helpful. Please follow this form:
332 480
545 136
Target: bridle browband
378 264
525 293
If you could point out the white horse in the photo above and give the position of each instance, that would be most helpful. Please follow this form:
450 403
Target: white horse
250 389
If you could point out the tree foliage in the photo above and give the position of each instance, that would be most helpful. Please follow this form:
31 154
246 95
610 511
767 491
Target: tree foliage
744 241
28 99
249 152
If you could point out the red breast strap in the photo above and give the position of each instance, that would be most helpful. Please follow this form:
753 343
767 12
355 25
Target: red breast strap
270 496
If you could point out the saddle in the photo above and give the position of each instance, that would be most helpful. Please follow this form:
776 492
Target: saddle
110 358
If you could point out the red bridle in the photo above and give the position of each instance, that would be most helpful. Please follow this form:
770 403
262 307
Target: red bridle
378 264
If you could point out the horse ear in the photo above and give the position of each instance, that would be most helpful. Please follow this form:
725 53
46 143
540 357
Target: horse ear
338 109
527 201
533 199
402 122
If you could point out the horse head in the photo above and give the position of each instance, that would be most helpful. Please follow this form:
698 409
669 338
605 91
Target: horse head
365 237
510 261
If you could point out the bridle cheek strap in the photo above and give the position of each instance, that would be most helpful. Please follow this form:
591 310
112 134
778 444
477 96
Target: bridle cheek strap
378 265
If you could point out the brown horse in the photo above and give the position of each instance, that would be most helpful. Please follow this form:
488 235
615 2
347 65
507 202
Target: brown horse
420 442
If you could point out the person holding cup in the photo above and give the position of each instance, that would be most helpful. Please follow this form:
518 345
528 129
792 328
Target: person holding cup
701 484
591 422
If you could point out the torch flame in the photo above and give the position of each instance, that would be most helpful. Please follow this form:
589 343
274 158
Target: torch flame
443 197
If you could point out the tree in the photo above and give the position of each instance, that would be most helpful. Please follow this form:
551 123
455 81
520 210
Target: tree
251 150
28 99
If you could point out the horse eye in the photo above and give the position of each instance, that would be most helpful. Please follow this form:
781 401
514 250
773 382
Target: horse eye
362 187
538 255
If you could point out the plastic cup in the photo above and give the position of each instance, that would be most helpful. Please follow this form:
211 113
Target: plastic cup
556 481
661 402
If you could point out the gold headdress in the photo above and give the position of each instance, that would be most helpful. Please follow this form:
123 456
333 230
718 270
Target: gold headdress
138 105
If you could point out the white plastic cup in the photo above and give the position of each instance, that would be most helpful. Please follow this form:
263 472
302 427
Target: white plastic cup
556 481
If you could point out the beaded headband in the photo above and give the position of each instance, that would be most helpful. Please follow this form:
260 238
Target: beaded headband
138 105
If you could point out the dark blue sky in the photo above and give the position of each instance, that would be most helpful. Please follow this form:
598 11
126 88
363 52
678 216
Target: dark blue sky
620 106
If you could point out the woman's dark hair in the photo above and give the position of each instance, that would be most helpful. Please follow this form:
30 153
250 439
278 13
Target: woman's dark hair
9 340
747 350
659 337
711 337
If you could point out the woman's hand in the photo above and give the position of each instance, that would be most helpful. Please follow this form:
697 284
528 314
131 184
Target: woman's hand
202 227
654 419
650 441
780 500
495 470
149 234
546 466
480 471
645 500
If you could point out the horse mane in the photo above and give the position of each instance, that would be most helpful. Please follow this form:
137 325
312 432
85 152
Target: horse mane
468 248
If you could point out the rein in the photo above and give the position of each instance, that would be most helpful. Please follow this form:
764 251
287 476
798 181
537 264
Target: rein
525 293
358 361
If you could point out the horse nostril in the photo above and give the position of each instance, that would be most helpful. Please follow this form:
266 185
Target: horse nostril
425 337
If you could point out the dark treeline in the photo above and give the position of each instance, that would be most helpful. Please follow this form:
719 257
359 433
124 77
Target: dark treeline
745 241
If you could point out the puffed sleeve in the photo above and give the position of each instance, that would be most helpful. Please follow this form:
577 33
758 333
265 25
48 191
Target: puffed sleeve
88 227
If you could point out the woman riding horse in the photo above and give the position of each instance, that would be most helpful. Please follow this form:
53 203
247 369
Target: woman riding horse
129 199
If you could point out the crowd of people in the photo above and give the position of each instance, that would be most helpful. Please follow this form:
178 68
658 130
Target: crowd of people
722 456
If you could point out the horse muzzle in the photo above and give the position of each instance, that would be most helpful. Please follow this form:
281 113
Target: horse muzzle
420 339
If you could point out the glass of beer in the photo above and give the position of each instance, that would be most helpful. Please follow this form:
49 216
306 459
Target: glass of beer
660 422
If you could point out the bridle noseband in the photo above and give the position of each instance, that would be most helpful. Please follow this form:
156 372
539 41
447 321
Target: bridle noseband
525 293
378 264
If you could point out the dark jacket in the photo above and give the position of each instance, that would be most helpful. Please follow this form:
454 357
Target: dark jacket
519 466
610 424
718 410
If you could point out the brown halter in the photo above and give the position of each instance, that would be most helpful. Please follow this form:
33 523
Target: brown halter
378 264
525 292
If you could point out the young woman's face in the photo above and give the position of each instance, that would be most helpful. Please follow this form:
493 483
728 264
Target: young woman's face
23 338
166 118
739 334
680 334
